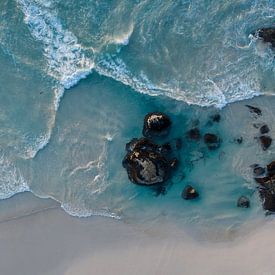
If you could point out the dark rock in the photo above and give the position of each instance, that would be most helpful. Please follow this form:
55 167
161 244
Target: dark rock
238 140
216 118
264 129
212 141
264 181
189 193
271 169
156 124
146 167
267 35
258 171
265 142
243 202
268 198
194 134
178 143
254 110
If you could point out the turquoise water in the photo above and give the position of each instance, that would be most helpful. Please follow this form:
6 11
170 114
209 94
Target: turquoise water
117 61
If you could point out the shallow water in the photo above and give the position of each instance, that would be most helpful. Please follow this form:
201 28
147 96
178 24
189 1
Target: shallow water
136 57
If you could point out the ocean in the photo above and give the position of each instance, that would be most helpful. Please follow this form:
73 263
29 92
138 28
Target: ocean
78 77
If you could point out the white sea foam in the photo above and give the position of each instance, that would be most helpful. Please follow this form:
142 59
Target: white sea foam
229 89
11 181
82 212
66 59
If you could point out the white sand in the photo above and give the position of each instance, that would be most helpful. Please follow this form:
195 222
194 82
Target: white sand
37 237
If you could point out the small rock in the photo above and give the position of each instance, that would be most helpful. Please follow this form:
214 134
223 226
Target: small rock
238 140
189 193
264 129
254 110
212 141
194 134
216 117
243 202
258 171
265 142
156 124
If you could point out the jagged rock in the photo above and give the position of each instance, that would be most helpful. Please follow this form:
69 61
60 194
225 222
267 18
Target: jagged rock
254 110
262 180
267 187
264 129
268 198
267 35
212 141
194 134
156 124
146 167
271 169
265 142
243 202
189 193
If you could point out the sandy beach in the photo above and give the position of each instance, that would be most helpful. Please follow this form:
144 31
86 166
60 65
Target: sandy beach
37 237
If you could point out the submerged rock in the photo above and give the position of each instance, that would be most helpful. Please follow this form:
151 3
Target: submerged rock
254 110
212 141
216 118
189 193
243 202
156 124
265 142
264 129
267 35
194 134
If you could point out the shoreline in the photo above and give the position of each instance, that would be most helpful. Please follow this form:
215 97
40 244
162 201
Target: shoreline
52 242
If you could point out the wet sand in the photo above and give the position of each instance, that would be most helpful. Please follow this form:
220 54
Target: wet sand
37 237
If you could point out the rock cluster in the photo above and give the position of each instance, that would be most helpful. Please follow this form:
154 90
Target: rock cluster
146 162
265 177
